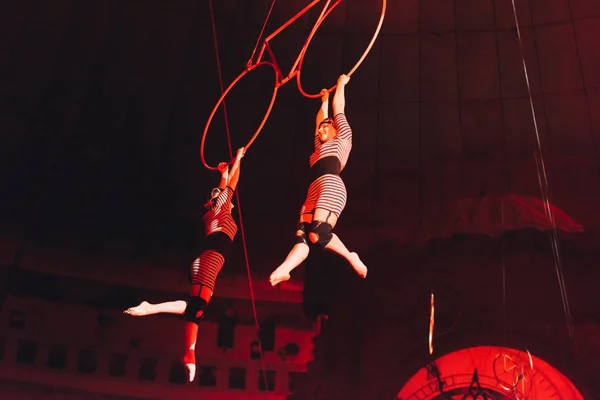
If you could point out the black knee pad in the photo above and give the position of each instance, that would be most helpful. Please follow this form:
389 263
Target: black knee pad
195 305
301 237
323 232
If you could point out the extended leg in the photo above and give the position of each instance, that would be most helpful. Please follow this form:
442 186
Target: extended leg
145 308
337 246
295 257
199 298
323 223
203 274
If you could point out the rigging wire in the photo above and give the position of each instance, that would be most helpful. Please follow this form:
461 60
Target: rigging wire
256 323
544 188
250 60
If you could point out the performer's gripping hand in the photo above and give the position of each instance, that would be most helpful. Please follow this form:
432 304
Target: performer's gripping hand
222 167
240 153
343 80
324 95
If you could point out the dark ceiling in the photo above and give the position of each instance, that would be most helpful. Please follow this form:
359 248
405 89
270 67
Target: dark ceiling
102 106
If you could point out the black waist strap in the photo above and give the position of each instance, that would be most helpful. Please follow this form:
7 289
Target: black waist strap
324 166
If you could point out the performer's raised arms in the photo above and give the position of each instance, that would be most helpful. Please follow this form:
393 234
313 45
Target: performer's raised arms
327 194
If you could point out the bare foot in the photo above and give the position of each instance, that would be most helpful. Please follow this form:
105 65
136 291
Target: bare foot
359 267
189 360
142 309
279 276
191 370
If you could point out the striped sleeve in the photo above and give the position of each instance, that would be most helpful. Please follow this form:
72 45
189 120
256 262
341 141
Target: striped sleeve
343 127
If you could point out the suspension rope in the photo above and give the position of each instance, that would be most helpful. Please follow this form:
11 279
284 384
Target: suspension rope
237 194
543 182
216 45
249 63
504 306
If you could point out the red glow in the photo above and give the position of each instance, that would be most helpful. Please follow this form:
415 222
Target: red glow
431 324
494 215
456 371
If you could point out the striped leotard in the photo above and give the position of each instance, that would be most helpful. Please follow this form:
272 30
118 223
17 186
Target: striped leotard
218 218
327 190
220 230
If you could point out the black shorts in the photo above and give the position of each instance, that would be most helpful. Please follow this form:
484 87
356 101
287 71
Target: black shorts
218 241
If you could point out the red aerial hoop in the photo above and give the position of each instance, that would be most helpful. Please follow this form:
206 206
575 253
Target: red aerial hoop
360 60
222 98
281 80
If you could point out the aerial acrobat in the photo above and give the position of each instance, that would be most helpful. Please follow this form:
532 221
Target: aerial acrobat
327 194
220 230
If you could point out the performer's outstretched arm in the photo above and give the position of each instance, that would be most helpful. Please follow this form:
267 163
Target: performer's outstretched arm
224 170
339 98
324 110
234 175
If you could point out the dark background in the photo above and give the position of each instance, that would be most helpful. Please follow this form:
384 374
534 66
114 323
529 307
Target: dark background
103 105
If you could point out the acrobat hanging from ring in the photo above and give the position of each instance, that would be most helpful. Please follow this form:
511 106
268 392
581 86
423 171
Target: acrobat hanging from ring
220 231
327 194
323 205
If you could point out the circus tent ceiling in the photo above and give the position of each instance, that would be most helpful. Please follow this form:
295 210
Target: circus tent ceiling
104 104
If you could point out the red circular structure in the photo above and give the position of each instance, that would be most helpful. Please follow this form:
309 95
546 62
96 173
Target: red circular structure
360 60
222 98
468 372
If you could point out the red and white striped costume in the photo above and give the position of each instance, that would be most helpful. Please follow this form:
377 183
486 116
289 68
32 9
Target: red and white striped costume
218 218
328 191
220 230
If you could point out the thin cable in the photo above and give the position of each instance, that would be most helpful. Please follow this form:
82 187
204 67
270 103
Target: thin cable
585 92
256 324
543 182
249 63
503 249
216 44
